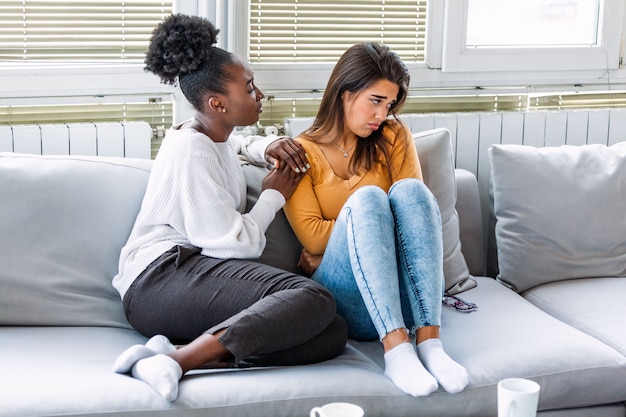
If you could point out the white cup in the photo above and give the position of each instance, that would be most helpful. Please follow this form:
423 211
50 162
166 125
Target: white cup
337 410
517 397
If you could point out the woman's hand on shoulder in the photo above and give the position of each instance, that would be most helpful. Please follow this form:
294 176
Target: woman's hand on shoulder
287 151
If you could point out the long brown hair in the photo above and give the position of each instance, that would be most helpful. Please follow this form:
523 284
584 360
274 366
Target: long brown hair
359 67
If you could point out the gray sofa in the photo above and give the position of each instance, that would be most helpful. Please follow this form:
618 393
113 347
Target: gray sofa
64 220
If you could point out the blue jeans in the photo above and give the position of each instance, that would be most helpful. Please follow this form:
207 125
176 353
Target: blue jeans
384 260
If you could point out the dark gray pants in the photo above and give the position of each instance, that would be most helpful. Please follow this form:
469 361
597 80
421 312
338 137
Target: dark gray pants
271 317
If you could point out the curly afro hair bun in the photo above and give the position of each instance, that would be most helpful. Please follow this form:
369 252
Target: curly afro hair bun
181 44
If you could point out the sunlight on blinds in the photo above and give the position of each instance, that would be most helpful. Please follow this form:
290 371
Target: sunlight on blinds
276 110
78 30
593 100
320 31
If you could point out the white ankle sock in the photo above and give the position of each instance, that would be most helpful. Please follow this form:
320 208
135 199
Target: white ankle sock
156 344
160 344
130 356
452 376
406 371
161 372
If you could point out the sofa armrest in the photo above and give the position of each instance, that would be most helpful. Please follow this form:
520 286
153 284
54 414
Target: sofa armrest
470 221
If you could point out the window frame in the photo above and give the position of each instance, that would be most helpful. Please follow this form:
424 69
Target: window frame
603 56
20 85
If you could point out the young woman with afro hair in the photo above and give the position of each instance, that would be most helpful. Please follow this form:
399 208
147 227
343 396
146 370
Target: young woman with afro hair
187 273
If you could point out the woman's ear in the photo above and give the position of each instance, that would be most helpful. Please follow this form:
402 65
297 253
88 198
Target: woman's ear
214 103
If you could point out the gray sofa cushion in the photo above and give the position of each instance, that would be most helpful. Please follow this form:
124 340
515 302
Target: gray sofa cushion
470 220
435 153
559 212
508 337
593 305
69 218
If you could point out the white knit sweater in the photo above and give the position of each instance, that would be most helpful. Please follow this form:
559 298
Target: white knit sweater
196 195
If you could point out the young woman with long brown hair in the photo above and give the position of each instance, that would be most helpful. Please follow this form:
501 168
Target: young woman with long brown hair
370 228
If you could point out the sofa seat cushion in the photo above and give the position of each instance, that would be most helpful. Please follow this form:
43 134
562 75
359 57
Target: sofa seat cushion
67 370
593 305
509 337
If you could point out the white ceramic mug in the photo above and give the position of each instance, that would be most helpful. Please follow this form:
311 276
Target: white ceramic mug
337 410
517 397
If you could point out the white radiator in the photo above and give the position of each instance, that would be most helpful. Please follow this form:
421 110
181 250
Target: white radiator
125 139
296 125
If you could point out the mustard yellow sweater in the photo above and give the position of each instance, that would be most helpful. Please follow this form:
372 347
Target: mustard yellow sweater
316 203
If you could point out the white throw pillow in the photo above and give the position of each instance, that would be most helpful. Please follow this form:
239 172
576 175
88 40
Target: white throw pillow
435 154
560 212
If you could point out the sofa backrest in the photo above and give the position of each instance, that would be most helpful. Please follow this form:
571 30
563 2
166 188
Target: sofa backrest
64 221
66 218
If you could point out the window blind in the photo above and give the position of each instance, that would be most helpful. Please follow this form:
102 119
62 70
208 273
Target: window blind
320 31
593 100
276 110
78 30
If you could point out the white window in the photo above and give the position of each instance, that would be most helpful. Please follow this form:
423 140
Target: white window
461 53
532 23
565 35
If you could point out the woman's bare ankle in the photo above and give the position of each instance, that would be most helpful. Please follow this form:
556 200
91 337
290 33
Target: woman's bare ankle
203 350
425 333
395 338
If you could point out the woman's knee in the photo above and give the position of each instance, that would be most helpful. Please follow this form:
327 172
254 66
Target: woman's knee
414 189
324 298
368 196
337 333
